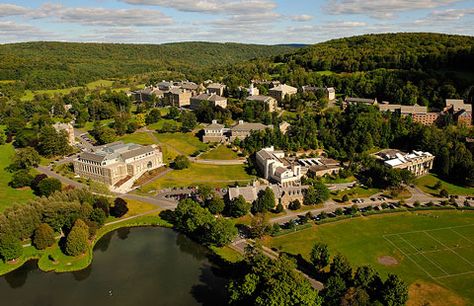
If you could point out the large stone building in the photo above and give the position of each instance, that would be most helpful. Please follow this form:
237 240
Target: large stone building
274 167
329 92
178 97
281 91
116 163
216 88
418 113
284 195
216 132
271 103
319 166
68 129
215 100
462 112
417 162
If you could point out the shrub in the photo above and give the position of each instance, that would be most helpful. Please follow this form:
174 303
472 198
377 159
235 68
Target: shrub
10 247
294 205
181 162
43 236
119 209
21 178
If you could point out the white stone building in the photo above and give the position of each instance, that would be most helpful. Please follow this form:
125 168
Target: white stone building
276 168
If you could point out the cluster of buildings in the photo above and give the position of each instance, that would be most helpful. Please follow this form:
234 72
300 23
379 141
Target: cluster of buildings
216 132
118 163
458 109
417 162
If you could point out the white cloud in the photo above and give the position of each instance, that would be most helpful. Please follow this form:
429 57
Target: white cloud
228 7
11 10
451 14
381 8
11 31
301 18
103 16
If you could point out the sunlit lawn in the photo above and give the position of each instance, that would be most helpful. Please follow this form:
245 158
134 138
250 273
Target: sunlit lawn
8 195
220 153
142 138
427 182
196 174
184 143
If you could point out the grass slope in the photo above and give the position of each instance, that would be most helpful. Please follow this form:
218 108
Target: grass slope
8 195
220 153
196 174
362 241
427 183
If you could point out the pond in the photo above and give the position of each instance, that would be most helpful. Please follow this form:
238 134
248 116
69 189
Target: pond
131 266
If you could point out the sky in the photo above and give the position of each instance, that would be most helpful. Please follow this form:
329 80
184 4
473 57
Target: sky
245 21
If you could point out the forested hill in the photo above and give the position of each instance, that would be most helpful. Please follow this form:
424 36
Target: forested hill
406 68
392 51
41 65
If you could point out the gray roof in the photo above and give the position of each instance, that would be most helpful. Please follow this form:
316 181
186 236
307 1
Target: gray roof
246 126
283 88
214 126
215 98
360 100
259 98
98 158
216 86
137 152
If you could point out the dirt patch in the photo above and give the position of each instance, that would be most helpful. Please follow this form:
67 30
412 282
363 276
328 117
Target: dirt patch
387 261
423 293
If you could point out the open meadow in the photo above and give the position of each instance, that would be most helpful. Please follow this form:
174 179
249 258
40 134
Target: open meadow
432 251
8 195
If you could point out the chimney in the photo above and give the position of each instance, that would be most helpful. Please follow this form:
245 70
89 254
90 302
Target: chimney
241 121
214 121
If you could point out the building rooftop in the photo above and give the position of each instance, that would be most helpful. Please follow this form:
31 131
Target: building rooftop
246 126
283 87
259 98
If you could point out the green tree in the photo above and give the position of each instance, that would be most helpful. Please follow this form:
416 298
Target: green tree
221 232
98 216
48 186
25 158
188 121
173 112
102 203
368 279
355 297
294 205
345 198
265 201
10 247
216 205
52 142
153 116
319 255
259 225
43 236
394 292
77 241
238 207
444 193
316 194
334 290
119 209
21 178
340 266
181 162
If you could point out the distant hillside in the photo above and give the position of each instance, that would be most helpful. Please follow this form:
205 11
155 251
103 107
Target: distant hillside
406 68
392 51
42 65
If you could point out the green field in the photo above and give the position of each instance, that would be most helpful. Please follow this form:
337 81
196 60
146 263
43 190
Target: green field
220 153
183 143
427 182
354 193
433 249
8 195
196 174
92 85
142 138
159 125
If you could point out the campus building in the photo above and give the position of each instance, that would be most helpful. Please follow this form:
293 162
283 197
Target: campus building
214 99
281 91
319 166
417 162
329 92
116 163
216 132
284 195
418 113
271 104
274 167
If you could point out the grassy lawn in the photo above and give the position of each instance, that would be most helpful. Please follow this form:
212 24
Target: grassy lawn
159 125
227 253
440 243
220 153
8 195
90 125
142 138
331 180
427 182
354 193
196 174
138 207
29 95
185 143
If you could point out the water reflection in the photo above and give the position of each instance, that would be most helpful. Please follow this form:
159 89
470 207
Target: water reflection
140 266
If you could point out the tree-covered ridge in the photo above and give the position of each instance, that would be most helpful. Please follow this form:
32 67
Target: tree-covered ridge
393 51
42 65
403 68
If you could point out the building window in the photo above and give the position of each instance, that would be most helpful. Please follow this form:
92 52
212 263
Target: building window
149 165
